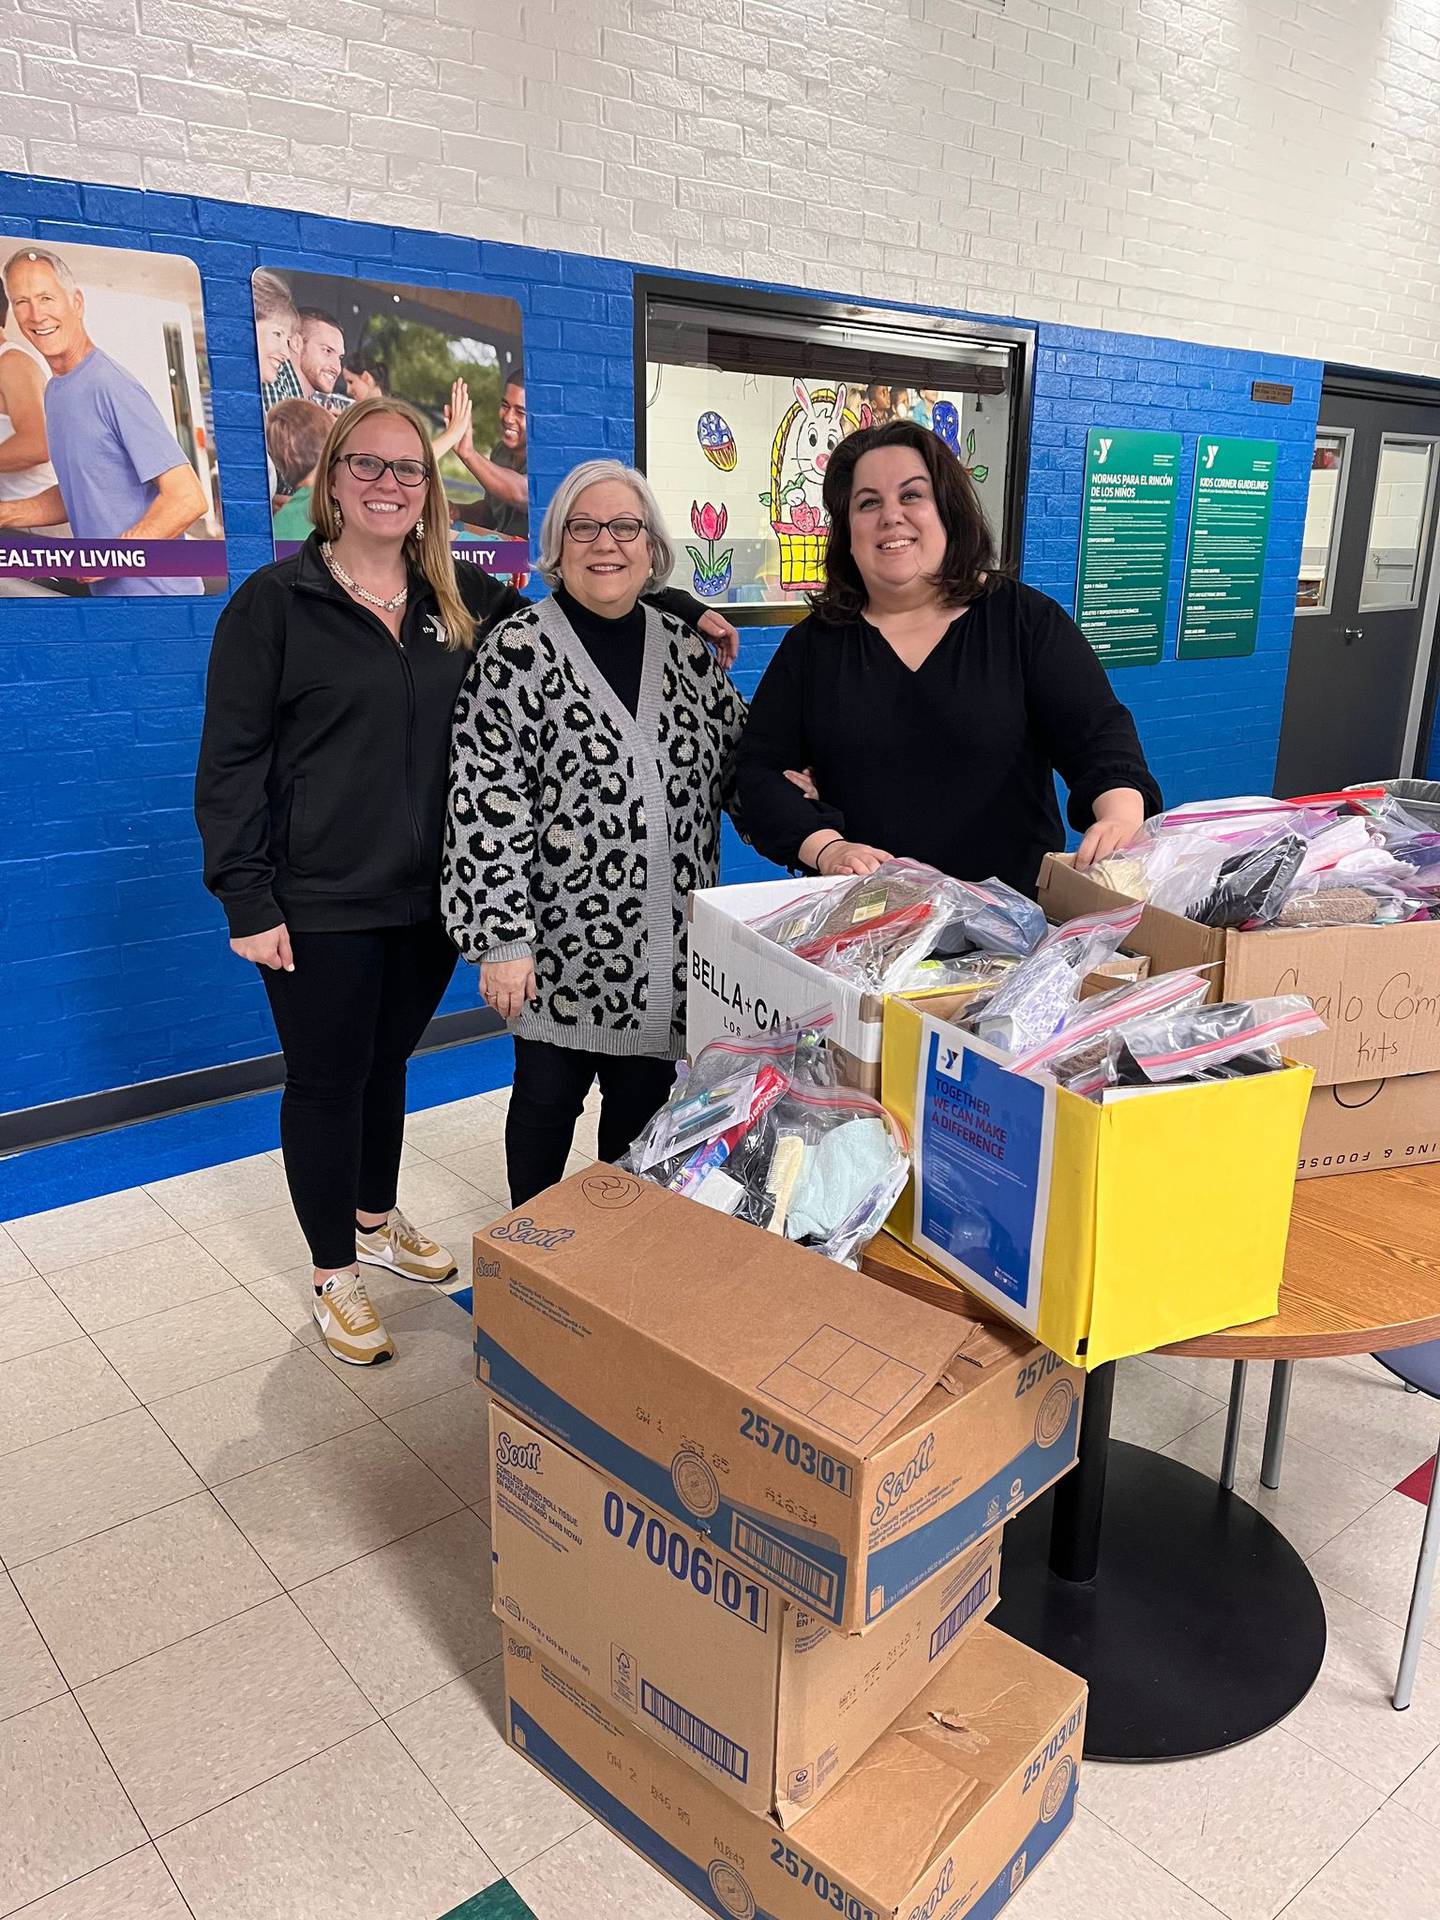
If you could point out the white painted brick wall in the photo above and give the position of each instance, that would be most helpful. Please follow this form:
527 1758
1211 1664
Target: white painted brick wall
1248 172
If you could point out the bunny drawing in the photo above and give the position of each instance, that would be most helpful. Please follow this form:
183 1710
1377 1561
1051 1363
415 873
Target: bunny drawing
816 438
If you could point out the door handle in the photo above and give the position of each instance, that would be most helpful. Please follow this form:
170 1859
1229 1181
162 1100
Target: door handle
1354 633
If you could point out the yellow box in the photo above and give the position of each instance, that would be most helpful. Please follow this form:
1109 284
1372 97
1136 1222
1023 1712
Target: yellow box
1168 1212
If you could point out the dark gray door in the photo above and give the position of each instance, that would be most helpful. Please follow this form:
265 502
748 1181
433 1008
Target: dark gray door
1363 617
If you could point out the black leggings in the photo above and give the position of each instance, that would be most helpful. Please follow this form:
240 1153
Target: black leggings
349 1018
550 1087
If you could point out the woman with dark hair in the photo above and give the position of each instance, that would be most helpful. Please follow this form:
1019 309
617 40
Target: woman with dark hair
933 699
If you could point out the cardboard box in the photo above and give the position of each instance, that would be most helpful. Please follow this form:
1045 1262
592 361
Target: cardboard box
949 1814
1368 1125
1103 1228
1377 988
704 1658
742 983
840 1441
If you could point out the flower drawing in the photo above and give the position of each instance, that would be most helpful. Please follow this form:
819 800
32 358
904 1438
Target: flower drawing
712 575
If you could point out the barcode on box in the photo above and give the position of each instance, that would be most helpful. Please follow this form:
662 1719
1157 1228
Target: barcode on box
785 1566
963 1611
696 1733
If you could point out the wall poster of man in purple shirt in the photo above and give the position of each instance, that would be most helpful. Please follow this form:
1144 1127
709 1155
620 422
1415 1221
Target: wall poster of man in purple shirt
126 502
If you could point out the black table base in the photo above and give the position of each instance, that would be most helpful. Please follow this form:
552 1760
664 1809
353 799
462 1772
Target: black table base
1194 1620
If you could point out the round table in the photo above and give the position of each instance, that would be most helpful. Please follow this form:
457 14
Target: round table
1194 1620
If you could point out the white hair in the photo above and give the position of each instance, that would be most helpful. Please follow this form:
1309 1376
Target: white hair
589 474
40 257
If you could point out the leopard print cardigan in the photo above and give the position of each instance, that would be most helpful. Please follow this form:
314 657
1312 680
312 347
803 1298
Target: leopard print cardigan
576 831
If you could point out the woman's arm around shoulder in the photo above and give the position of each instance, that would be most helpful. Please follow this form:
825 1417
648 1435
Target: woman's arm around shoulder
778 819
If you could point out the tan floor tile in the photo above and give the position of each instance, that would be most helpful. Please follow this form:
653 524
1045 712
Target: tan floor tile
201 1722
13 1264
65 1813
431 1192
310 1514
1421 1792
66 1236
1348 1714
594 1874
136 1887
264 1413
1152 1407
451 1434
165 1353
484 1168
27 1673
1373 1562
133 1590
458 1737
455 1127
413 1616
1213 1376
1245 1829
287 1850
126 1286
1095 1875
1317 1497
1391 1867
1363 1418
56 1390
63 1490
213 1194
31 1319
434 1353
257 1245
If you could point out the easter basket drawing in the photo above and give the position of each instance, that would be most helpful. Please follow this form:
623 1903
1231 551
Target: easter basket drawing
807 435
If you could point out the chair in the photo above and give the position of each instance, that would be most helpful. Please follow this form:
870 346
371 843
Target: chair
1419 1369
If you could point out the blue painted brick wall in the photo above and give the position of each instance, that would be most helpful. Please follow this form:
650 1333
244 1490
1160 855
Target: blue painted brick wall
114 966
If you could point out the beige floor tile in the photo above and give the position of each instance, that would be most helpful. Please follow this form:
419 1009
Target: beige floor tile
413 1616
484 1168
136 1887
32 1318
1095 1875
63 1490
213 1194
1421 1792
1391 1867
458 1737
199 1723
264 1413
452 1436
1212 1376
1317 1497
1348 1714
310 1514
434 1353
1244 1829
65 1813
56 1390
27 1673
133 1590
455 1127
287 1850
13 1264
165 1353
1373 1562
1362 1417
430 1192
258 1244
126 1286
1152 1408
65 1236
594 1874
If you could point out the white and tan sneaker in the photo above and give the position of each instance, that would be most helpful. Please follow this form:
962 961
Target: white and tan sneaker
400 1246
349 1323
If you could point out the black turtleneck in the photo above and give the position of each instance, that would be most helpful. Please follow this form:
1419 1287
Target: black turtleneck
616 646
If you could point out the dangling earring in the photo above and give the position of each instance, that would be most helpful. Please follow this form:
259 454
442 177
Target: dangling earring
339 516
420 528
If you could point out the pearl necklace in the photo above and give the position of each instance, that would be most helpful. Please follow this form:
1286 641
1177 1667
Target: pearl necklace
392 605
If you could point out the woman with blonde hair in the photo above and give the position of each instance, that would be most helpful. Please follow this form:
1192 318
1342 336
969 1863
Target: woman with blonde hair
320 797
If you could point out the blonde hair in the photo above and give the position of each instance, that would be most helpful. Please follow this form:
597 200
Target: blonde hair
589 474
430 554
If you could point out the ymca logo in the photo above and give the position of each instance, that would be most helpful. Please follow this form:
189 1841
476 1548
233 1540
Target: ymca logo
1211 449
894 1487
1103 454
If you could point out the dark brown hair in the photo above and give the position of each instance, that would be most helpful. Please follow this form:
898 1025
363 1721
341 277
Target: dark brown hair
969 548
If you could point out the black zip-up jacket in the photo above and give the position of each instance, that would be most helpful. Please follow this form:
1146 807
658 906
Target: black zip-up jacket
321 784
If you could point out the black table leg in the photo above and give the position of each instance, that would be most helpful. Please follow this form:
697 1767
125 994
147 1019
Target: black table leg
1194 1620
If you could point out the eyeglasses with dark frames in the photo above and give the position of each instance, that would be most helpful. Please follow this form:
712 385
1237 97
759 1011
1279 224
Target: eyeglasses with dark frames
624 529
369 467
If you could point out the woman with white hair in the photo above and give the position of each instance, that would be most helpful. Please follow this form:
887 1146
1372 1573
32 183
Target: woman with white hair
592 754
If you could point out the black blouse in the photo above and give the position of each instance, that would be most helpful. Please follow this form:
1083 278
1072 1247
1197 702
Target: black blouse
952 762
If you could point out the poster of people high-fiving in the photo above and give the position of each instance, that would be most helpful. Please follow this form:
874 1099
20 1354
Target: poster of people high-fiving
325 342
108 480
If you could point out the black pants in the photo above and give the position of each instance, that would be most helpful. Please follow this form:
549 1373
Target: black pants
549 1091
349 1018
